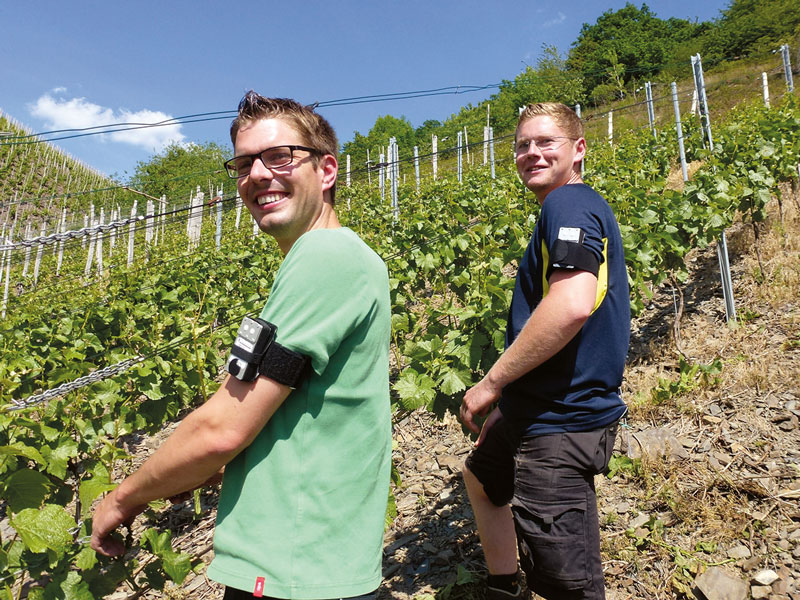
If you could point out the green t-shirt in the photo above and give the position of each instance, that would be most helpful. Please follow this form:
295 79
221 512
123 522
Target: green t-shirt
303 507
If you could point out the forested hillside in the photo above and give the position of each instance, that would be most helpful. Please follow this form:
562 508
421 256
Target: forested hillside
609 61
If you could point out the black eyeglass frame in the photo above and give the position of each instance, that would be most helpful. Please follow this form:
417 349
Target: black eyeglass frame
228 164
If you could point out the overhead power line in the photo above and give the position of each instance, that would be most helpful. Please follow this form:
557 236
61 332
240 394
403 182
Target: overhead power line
36 138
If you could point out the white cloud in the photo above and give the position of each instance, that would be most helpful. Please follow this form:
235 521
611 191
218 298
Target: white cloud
560 18
59 112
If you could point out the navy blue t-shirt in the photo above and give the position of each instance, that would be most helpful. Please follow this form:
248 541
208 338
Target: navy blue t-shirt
578 388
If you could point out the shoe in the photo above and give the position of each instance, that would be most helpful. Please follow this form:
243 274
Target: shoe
498 594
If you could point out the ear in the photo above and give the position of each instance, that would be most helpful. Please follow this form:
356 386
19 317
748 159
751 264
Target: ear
329 168
580 152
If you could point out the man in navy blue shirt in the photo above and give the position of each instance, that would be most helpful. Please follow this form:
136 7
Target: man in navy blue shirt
530 478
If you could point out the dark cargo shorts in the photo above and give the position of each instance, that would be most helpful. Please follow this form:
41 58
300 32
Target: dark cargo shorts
549 481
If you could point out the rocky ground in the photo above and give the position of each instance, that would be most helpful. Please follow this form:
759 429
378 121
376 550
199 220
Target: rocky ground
704 499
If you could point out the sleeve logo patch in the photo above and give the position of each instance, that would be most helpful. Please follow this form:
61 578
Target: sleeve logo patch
571 234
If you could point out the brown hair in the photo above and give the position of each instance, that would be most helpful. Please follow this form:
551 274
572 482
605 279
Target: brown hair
563 115
313 128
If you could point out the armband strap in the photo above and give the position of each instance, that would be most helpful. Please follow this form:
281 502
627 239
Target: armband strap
283 365
573 255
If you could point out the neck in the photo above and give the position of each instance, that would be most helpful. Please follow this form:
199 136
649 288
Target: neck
327 219
574 178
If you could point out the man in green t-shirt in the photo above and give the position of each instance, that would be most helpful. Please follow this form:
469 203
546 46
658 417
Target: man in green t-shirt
304 492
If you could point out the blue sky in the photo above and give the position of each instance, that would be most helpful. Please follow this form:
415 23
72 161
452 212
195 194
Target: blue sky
84 63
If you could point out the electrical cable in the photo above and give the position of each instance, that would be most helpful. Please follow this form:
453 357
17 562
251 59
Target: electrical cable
399 95
217 115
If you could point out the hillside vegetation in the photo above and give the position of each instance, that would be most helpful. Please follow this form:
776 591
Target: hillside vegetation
160 330
38 179
608 64
137 344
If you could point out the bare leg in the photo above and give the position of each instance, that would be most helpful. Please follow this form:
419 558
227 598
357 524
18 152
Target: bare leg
495 528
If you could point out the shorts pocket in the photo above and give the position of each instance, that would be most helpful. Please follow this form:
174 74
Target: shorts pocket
552 543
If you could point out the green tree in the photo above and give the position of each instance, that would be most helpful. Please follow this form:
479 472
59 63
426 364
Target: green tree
179 169
423 132
550 81
749 27
627 44
385 127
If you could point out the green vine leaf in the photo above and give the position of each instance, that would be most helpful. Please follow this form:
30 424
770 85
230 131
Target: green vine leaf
91 488
26 488
176 565
415 389
44 529
453 382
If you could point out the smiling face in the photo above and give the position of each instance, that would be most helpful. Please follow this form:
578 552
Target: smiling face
288 201
544 171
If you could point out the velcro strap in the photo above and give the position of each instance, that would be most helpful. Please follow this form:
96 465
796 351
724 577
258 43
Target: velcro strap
283 365
572 255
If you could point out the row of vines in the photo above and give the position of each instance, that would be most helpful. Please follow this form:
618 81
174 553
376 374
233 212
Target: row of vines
33 169
450 255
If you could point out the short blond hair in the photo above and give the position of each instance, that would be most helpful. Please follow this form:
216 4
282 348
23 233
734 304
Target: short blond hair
566 118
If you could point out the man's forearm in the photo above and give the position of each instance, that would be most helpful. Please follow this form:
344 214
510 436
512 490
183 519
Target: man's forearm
205 441
183 462
557 319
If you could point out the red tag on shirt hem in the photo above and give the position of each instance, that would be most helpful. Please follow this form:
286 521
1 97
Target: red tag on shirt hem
259 591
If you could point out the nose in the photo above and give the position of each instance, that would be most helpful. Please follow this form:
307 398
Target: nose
533 148
259 171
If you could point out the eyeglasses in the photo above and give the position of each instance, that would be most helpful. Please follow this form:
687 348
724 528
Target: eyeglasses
272 158
545 144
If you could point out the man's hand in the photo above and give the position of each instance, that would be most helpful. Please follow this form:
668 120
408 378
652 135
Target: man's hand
477 402
109 515
493 418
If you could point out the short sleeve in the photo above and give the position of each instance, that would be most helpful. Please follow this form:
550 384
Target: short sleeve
319 297
572 232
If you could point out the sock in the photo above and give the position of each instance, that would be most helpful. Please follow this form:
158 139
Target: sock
507 583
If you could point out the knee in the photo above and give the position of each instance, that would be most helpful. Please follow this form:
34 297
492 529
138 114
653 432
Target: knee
471 481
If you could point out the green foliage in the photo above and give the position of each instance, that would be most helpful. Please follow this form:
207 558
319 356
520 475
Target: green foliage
56 458
690 377
176 565
463 577
625 45
199 164
450 257
622 464
751 27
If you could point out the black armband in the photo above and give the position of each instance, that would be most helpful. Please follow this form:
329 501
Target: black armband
573 255
256 352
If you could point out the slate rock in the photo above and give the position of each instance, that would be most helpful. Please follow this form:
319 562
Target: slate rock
739 552
639 521
717 583
655 442
759 592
